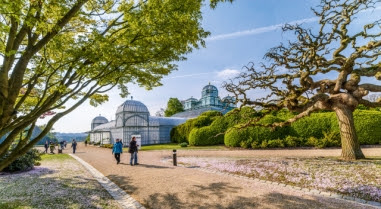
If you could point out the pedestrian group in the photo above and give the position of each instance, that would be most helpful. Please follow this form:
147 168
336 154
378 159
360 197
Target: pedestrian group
117 150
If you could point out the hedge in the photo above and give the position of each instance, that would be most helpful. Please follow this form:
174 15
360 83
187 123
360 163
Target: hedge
368 126
181 133
205 136
318 130
315 124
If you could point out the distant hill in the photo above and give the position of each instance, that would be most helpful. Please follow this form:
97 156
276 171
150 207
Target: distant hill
55 137
36 131
70 136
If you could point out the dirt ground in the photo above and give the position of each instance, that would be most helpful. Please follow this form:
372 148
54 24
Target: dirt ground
156 184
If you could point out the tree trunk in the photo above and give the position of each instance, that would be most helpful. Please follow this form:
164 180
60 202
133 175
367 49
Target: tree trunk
349 142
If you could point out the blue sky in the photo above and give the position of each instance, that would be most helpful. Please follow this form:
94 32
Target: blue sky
241 32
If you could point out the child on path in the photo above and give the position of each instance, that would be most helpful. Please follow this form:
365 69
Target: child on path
117 149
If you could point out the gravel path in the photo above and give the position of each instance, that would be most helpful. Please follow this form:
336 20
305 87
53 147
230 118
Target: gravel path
158 185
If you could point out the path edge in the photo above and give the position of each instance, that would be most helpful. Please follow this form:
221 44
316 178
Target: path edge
124 200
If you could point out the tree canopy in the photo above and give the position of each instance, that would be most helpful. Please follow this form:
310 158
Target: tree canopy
173 106
55 55
320 70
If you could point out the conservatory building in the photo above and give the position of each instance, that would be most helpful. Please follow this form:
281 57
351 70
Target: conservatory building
209 101
132 118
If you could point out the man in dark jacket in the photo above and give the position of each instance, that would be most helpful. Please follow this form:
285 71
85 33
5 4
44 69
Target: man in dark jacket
133 149
74 145
46 146
117 149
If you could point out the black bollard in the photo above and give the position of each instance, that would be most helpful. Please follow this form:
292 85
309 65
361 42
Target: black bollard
174 158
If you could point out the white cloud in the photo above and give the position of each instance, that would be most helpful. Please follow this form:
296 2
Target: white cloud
227 73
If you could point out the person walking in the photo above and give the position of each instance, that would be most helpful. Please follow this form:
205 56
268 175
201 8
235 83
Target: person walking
133 149
74 145
117 149
46 145
85 143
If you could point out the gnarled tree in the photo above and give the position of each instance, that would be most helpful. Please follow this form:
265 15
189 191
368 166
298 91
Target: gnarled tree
55 55
320 70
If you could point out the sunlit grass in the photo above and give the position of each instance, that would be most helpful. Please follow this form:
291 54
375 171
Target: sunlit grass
172 146
55 157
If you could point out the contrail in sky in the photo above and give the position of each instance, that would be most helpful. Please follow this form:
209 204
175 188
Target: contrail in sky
188 75
269 28
259 30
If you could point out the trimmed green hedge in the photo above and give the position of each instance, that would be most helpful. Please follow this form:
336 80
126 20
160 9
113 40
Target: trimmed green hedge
181 133
205 136
317 130
368 126
315 125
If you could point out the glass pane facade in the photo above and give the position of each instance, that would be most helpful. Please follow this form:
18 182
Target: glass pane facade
133 118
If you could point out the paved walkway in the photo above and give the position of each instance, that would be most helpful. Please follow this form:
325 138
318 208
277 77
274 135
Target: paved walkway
158 185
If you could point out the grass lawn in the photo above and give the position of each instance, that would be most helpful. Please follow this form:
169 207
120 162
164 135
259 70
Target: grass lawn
60 182
177 147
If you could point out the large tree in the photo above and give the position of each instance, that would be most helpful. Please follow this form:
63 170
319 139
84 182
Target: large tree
173 106
320 70
55 55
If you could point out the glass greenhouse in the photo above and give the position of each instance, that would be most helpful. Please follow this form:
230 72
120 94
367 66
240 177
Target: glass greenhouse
133 118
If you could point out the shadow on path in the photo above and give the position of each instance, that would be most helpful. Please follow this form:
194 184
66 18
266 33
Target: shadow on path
124 182
217 195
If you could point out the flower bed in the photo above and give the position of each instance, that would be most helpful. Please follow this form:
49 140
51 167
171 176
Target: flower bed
358 179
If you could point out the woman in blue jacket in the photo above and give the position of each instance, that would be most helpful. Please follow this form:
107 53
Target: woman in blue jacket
117 149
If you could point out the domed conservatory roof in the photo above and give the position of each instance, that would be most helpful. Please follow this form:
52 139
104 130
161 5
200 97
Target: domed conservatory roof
99 119
132 106
228 98
210 87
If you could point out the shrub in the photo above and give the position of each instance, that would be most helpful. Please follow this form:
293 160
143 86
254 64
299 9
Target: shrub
245 144
234 136
367 125
110 146
314 125
97 143
293 141
255 145
330 139
275 143
264 144
184 144
181 132
205 136
25 162
211 113
312 142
